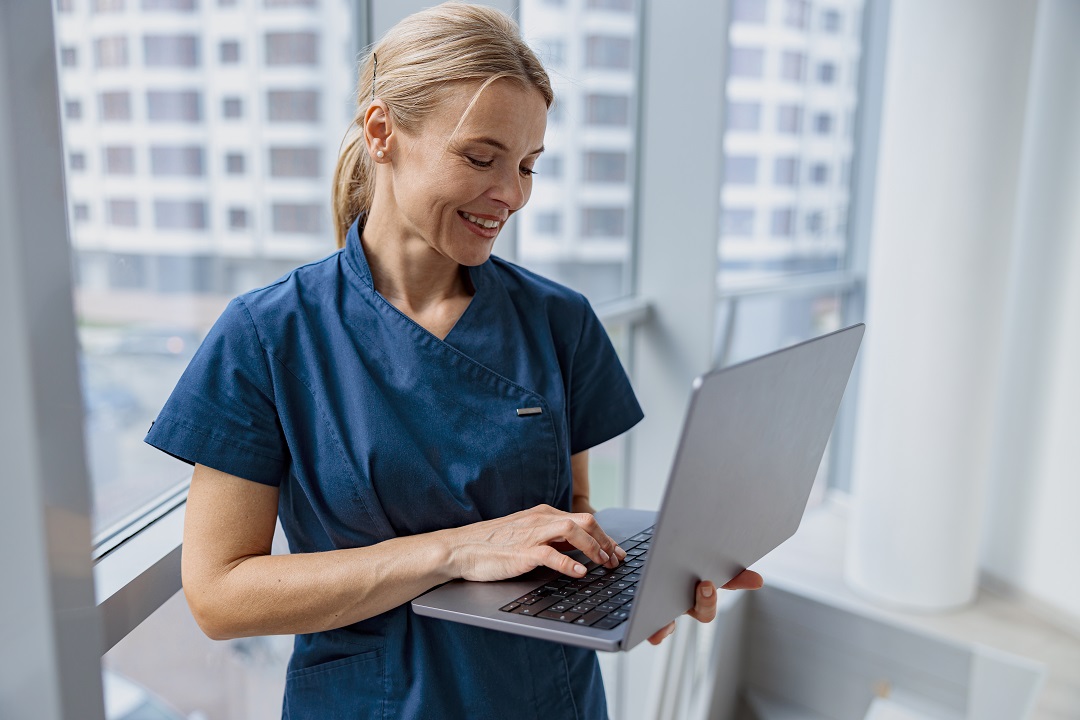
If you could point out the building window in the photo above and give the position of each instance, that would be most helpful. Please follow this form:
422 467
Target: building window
171 51
292 48
77 161
174 106
746 62
183 161
549 167
115 106
230 52
65 6
122 213
815 222
797 13
108 6
294 162
606 166
127 272
826 73
180 214
552 52
111 52
786 171
744 116
783 222
819 173
740 169
299 218
289 3
119 160
292 105
748 11
232 107
69 57
234 163
606 222
618 5
73 110
823 123
789 119
238 219
607 52
607 110
793 66
81 212
737 222
174 5
548 223
832 21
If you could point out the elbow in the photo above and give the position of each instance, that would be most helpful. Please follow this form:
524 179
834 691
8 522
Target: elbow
211 611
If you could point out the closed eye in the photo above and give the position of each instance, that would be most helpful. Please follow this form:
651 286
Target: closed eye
479 163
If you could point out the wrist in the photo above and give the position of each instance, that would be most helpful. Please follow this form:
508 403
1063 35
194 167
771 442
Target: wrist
446 555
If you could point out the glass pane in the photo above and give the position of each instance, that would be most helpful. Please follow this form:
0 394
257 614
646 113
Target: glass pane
791 99
200 147
577 228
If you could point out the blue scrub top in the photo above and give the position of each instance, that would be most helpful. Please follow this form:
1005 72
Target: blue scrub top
373 428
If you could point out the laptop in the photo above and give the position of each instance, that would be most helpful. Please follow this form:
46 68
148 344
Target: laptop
751 444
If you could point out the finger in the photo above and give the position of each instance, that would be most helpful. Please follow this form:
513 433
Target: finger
746 580
588 523
567 528
550 557
657 637
704 608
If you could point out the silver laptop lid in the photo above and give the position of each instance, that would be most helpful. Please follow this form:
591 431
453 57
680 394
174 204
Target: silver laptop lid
752 441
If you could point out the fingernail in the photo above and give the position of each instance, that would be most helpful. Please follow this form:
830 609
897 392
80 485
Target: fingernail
620 553
605 557
706 591
580 569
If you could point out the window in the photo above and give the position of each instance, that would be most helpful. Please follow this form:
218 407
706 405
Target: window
121 212
174 106
171 51
73 110
115 106
238 218
128 272
743 116
77 161
232 107
69 57
292 105
119 160
180 214
783 222
832 21
608 52
793 66
617 5
603 166
229 52
607 109
826 73
176 161
299 218
737 222
234 163
819 173
294 162
786 171
745 62
65 6
289 3
81 212
548 222
789 119
797 13
108 6
111 52
174 5
597 222
740 169
549 167
815 222
823 123
748 11
292 48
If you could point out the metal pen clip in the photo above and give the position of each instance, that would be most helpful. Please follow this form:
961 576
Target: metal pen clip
523 412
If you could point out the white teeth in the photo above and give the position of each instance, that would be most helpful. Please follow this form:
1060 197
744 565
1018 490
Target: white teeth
481 221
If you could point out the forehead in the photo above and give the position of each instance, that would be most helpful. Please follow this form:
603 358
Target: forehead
504 110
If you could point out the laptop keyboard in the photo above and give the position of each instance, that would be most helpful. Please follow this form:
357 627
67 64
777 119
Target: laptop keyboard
602 599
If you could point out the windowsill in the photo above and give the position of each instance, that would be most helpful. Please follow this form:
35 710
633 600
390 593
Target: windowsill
811 564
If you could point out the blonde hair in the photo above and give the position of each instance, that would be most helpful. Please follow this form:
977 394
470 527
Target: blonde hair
418 62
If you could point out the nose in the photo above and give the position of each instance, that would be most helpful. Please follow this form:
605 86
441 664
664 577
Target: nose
511 189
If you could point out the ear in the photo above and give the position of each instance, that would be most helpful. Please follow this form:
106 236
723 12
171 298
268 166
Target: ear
378 131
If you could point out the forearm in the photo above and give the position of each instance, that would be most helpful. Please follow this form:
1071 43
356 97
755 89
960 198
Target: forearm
312 592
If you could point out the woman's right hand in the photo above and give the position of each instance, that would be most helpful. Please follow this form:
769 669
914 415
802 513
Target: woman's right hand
510 546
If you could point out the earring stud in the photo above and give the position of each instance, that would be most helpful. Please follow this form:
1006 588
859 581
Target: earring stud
379 154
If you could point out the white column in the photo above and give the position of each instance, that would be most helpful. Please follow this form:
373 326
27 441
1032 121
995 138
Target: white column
956 83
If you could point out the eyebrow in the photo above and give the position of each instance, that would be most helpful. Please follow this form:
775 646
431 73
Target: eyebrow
496 144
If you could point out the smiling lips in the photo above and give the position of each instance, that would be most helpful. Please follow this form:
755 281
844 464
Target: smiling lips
489 224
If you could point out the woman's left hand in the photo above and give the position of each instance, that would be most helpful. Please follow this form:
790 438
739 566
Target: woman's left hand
704 609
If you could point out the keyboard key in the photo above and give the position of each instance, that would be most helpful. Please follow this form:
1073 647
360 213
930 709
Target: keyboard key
621 584
590 618
580 609
632 577
536 608
622 614
594 600
511 606
606 607
641 537
608 623
561 617
559 607
623 570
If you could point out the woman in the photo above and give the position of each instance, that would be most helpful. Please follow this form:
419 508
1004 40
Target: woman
369 400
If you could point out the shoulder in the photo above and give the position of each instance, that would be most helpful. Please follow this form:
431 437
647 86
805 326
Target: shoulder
536 292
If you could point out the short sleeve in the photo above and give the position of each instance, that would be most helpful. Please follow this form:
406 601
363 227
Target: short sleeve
602 402
222 412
